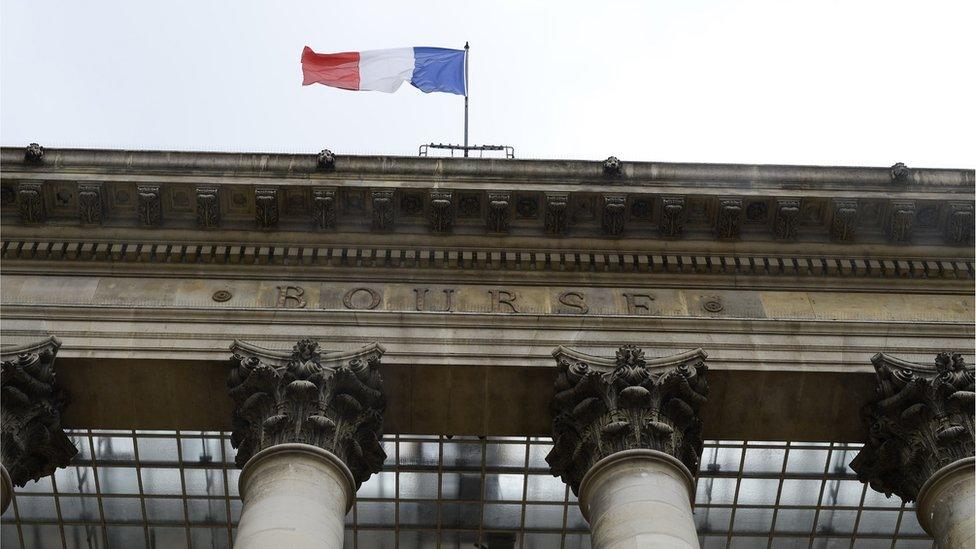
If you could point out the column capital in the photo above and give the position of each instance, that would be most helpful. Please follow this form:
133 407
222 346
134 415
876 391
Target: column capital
920 421
604 405
33 443
331 400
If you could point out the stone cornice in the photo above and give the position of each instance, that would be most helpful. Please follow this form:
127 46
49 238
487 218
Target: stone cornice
152 191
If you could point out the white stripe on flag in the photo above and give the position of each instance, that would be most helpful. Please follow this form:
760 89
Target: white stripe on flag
385 70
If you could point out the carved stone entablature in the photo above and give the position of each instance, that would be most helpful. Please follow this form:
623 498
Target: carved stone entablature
382 201
91 203
603 406
325 160
266 208
34 155
921 421
150 209
614 214
900 173
787 219
959 223
208 207
441 211
729 218
901 218
557 213
324 207
30 203
33 443
333 400
844 220
672 216
499 211
612 166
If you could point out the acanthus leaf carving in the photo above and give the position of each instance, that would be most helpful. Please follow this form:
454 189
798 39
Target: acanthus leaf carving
900 173
612 166
843 223
383 210
208 207
499 211
30 203
91 204
920 421
614 214
34 155
901 220
728 221
266 207
441 211
604 406
787 219
959 223
324 208
672 216
149 209
333 400
33 442
557 213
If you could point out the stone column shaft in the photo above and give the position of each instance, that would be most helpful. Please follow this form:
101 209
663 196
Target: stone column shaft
945 505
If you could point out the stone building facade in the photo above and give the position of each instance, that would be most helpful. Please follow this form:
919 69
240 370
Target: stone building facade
327 315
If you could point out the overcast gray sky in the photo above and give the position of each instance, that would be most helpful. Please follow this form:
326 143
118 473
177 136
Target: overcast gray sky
847 82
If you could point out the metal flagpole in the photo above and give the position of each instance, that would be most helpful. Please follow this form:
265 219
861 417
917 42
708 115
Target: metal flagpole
466 99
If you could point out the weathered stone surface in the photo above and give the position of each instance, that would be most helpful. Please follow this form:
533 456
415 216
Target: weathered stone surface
34 155
441 211
959 223
324 207
266 207
672 216
921 421
499 212
91 204
325 160
843 223
208 207
900 220
612 166
614 214
557 216
729 219
149 209
33 444
604 406
382 210
333 401
900 173
787 218
30 203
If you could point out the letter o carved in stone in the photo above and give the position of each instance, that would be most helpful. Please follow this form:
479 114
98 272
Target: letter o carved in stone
374 298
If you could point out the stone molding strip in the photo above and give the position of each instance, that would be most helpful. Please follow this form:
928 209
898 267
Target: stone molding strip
588 261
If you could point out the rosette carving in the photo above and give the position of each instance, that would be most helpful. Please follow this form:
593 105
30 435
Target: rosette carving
33 442
604 406
330 400
921 421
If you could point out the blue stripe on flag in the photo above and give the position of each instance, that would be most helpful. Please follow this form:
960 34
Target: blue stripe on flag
438 70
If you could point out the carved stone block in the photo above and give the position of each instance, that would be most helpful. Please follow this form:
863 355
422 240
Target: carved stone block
959 223
91 203
34 155
325 160
612 166
843 223
30 203
604 406
266 207
324 207
900 220
331 400
921 421
728 220
441 211
33 443
614 214
672 216
150 206
383 209
208 207
787 219
499 211
557 213
900 174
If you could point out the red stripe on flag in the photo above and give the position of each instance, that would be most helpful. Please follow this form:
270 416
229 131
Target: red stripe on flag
339 70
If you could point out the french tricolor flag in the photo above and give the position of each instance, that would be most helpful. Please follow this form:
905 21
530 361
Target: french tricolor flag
428 69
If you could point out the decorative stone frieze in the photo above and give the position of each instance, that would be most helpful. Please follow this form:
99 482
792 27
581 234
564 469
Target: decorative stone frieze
672 216
901 218
34 155
603 406
612 166
208 207
959 223
787 219
324 207
332 400
728 222
149 208
499 211
441 211
266 207
91 204
921 421
382 201
30 203
844 220
614 214
557 213
325 160
33 443
900 173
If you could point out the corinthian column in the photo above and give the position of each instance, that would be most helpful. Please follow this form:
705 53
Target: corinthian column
306 428
920 443
33 444
627 437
